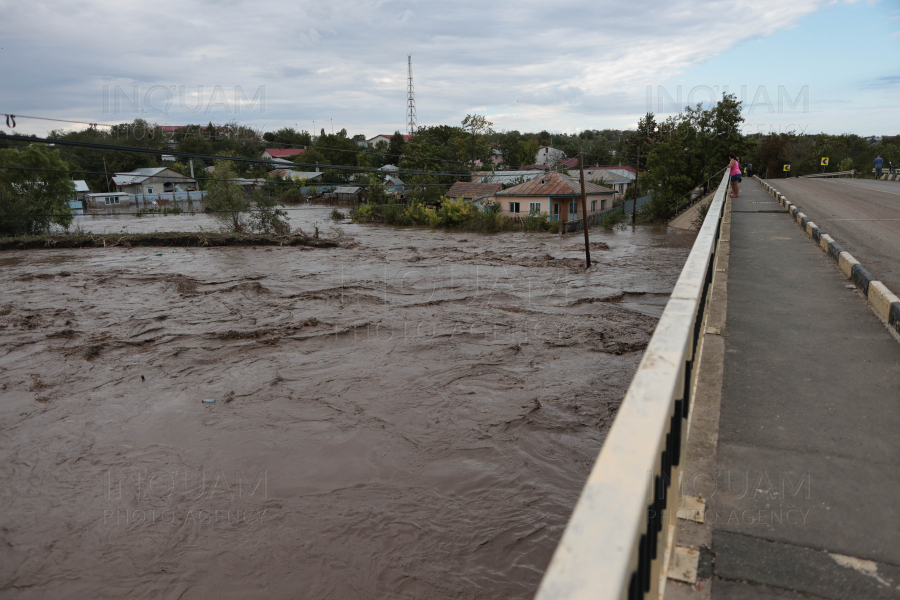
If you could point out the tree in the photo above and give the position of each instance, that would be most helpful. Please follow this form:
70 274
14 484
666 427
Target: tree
31 201
477 128
225 198
640 142
395 148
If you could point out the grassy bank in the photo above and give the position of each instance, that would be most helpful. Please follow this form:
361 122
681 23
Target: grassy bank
179 239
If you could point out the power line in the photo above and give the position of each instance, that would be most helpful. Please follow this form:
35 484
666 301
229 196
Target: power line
210 157
172 177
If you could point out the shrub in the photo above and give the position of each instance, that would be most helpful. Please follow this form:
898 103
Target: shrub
365 213
537 221
614 220
337 215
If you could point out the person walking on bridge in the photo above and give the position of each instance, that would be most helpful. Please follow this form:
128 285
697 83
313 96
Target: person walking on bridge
735 170
879 163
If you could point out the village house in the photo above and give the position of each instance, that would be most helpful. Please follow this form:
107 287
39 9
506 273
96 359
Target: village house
509 177
283 153
617 178
548 155
468 190
107 200
153 180
385 138
291 175
554 194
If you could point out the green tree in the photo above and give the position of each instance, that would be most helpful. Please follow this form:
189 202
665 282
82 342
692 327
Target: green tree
226 199
32 201
477 145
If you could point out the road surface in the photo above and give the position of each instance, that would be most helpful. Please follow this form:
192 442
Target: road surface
862 215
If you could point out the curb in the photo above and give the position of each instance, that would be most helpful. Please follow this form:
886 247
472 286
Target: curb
887 177
886 303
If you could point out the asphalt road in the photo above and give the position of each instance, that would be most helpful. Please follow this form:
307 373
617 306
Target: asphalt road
862 215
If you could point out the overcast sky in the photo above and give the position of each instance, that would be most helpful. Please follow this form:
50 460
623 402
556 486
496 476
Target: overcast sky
810 65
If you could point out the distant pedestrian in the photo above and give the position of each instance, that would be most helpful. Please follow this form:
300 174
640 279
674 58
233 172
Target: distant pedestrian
749 169
879 162
734 168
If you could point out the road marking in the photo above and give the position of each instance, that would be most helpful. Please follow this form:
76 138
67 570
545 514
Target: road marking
861 219
865 187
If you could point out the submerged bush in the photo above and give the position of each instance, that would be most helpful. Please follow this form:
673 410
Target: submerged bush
337 215
614 220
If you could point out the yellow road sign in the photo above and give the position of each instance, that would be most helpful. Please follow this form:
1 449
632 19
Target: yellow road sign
787 167
824 161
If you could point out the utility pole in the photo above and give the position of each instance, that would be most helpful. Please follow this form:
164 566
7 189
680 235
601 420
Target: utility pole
105 176
584 212
636 172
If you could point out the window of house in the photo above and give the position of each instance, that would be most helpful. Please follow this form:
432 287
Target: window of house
111 199
534 207
573 207
593 206
603 205
514 207
149 190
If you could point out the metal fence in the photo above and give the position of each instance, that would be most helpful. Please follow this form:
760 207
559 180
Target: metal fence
166 197
614 543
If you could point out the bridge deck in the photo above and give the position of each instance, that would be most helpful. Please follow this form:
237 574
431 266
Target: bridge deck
809 430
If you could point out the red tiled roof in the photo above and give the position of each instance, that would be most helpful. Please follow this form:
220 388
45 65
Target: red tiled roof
282 153
466 189
569 162
534 168
406 138
554 184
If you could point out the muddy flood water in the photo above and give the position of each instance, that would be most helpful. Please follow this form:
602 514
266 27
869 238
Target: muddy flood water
411 415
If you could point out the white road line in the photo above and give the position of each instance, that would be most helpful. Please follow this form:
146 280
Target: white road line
865 187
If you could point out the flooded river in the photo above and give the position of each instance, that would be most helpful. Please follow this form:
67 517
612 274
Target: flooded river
410 415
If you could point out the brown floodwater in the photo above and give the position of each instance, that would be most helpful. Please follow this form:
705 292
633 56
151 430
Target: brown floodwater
411 415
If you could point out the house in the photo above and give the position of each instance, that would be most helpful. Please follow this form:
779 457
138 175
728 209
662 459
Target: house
510 177
542 168
291 175
153 180
617 178
548 155
285 153
496 158
468 190
385 138
348 195
555 194
81 189
107 200
393 184
389 169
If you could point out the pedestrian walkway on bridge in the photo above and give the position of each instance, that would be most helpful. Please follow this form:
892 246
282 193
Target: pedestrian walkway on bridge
797 457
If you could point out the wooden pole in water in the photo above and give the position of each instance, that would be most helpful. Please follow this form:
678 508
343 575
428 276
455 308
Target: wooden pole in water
584 212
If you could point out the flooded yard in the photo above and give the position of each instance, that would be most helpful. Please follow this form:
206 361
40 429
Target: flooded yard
410 415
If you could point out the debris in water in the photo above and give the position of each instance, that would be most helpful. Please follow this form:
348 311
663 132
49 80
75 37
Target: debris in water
209 401
142 378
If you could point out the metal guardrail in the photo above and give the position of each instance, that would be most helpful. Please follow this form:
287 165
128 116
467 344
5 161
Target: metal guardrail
614 543
851 172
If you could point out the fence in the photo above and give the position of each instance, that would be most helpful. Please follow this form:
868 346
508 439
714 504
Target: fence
594 219
614 543
166 198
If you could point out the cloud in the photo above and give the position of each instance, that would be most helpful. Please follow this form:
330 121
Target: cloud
532 66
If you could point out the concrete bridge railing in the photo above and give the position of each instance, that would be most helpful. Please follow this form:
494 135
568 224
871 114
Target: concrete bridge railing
614 544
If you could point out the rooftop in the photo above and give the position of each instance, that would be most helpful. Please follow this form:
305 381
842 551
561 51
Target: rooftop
468 189
283 152
553 184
